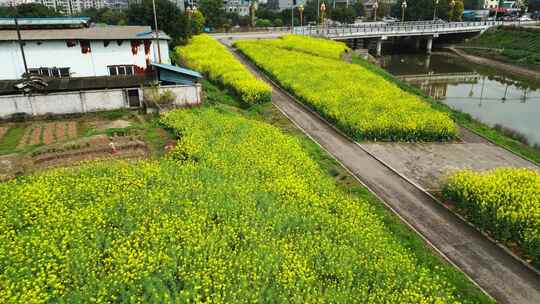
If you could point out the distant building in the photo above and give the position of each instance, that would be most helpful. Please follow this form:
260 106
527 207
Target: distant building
66 47
280 5
241 7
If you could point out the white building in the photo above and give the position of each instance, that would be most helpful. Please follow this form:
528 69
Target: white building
81 52
491 4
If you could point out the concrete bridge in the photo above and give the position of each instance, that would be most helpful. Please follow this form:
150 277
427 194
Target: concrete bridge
380 31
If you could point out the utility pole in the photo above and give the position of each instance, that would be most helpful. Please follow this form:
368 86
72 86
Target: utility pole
21 45
157 30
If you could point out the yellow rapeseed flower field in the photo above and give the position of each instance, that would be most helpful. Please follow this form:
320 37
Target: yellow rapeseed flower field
505 202
237 213
205 54
359 102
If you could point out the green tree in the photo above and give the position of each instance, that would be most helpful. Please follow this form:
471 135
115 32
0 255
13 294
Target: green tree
344 14
197 22
456 12
473 4
105 15
28 10
423 9
214 12
171 19
359 9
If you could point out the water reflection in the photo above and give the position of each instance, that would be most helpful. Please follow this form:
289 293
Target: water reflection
491 97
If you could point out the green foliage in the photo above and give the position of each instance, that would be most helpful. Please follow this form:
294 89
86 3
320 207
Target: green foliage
344 14
277 22
359 9
359 102
205 54
423 9
197 22
28 10
214 12
171 19
263 23
106 16
520 45
504 202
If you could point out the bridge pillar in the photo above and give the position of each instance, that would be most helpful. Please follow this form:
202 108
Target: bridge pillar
379 47
429 44
417 43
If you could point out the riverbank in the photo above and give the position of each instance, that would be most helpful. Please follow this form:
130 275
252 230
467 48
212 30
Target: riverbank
517 44
496 136
513 69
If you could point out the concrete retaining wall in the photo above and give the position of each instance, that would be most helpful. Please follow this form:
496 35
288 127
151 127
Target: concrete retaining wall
88 101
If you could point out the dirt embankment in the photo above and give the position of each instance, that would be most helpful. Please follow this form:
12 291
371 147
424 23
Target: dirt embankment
510 68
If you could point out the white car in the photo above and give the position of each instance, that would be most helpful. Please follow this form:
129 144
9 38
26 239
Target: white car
524 18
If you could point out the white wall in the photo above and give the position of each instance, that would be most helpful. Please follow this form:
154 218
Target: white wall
58 54
87 101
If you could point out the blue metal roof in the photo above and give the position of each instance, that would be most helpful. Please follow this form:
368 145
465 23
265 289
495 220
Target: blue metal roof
45 20
177 69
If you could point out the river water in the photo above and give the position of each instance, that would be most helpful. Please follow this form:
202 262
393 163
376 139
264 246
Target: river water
490 96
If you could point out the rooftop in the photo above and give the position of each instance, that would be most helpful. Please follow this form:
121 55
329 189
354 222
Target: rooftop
178 69
45 22
91 33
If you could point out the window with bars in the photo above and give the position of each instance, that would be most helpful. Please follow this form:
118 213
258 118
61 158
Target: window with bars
121 70
50 72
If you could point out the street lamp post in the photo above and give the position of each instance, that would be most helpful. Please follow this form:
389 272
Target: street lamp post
375 7
323 9
157 30
452 4
403 8
301 10
435 10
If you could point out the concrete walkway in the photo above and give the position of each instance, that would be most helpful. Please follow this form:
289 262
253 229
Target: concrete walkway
495 271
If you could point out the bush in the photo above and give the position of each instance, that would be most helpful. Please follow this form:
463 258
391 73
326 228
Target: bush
153 97
207 55
263 23
358 101
504 202
278 22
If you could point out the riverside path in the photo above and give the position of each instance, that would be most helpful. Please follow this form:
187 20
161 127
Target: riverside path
492 269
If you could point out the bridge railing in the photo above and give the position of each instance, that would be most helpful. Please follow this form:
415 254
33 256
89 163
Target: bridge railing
399 28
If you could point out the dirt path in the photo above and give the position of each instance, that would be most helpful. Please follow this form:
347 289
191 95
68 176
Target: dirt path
510 68
494 270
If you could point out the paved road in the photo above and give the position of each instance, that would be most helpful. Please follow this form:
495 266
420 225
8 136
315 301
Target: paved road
498 273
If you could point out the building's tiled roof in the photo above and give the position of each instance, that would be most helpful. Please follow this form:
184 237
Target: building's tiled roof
91 33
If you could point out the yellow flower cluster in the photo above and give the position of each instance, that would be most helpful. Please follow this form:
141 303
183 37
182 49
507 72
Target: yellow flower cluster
359 102
314 46
505 202
238 213
205 54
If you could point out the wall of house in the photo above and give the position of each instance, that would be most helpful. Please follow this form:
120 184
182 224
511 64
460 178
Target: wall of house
87 101
94 63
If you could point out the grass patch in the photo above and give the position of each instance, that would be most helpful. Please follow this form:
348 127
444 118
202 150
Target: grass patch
463 119
519 45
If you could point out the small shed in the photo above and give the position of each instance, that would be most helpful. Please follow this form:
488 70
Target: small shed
176 75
